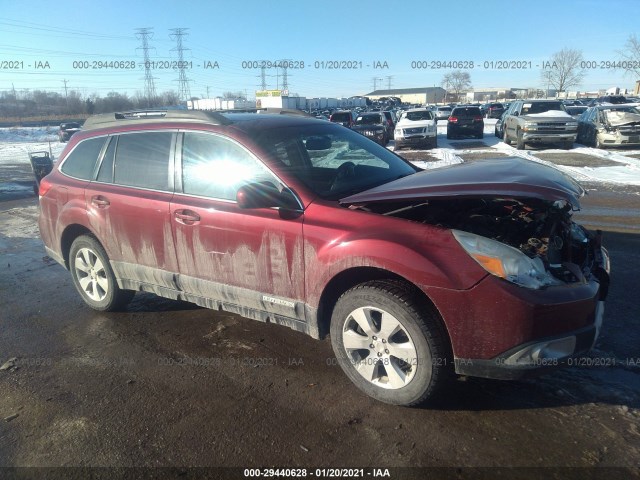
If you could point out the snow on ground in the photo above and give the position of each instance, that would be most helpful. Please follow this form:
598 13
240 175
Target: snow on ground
627 173
16 144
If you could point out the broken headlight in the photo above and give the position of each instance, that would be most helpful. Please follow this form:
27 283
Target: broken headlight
505 262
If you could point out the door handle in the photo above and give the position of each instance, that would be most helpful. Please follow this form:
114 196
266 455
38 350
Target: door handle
186 217
100 201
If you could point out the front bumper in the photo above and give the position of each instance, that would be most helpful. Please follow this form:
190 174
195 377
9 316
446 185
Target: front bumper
536 357
535 137
618 138
416 139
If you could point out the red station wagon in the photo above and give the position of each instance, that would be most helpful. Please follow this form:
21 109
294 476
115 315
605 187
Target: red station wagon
474 269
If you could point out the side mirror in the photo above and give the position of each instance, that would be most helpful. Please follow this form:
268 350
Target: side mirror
265 195
515 114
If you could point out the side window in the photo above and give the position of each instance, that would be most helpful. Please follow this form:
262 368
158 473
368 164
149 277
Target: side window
214 166
82 160
105 174
142 160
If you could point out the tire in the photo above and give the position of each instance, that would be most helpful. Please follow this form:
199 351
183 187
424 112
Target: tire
449 136
93 277
434 142
596 142
568 145
480 135
520 141
378 318
505 136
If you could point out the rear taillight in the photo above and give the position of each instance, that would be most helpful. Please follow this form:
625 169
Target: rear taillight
45 186
453 119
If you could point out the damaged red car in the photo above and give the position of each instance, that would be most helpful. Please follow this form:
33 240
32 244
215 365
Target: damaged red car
416 276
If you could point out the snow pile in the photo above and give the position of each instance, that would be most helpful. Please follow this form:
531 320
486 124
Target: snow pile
550 113
29 134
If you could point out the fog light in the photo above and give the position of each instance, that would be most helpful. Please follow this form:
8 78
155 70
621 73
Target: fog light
538 353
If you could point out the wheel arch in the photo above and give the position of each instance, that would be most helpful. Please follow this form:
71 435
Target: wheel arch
351 277
70 233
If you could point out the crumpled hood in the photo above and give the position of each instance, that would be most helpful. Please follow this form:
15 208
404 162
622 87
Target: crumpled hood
617 118
504 177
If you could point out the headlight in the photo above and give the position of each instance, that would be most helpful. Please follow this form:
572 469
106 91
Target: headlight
528 126
505 262
398 132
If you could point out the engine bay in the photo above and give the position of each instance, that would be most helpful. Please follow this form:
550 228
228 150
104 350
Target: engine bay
538 228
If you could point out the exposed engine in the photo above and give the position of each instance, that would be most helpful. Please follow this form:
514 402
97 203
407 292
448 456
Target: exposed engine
538 228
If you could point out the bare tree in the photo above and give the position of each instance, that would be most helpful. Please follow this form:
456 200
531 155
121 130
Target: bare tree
458 81
234 95
564 70
630 56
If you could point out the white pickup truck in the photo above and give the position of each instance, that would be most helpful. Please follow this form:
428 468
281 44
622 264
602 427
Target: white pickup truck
539 122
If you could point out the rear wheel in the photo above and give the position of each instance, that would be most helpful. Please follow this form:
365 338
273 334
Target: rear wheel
390 344
596 142
520 141
93 277
480 135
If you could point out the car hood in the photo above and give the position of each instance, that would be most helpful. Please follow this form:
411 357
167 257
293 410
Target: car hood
504 177
617 118
548 115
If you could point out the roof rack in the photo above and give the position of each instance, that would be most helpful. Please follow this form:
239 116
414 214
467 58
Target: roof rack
105 120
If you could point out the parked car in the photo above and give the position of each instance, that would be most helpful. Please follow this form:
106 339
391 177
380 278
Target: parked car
497 129
346 118
539 122
391 119
475 269
575 110
416 128
374 126
610 125
67 129
465 121
609 100
442 112
492 110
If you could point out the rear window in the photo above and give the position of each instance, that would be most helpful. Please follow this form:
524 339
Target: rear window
142 160
466 112
82 160
341 117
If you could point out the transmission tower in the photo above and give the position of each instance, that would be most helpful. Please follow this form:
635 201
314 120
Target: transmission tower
145 34
285 77
183 82
263 78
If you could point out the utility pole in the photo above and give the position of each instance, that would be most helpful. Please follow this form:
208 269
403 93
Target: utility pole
375 82
183 82
285 78
389 82
207 91
144 34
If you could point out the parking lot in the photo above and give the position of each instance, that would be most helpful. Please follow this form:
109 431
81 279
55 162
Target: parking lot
166 383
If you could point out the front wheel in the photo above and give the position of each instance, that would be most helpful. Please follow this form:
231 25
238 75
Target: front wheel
520 140
93 277
390 344
505 136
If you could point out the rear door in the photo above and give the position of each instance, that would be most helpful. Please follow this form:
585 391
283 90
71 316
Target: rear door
246 257
128 206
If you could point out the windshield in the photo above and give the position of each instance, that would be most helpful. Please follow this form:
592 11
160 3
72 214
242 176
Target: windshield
541 107
332 161
419 115
369 119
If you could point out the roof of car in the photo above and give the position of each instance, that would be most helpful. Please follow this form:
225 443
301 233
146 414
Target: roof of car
227 117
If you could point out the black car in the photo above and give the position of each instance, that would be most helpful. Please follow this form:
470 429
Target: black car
497 129
346 118
374 126
492 110
67 129
611 99
465 121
